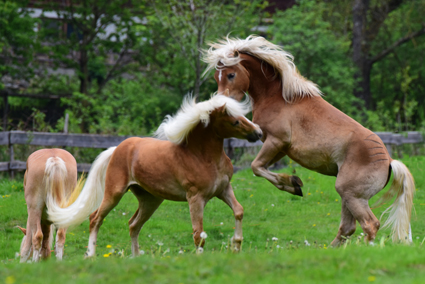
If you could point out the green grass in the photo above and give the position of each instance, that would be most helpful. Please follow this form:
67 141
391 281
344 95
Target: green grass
268 213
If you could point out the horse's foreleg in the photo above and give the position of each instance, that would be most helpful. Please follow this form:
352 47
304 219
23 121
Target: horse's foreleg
269 154
60 243
347 226
196 207
147 206
228 196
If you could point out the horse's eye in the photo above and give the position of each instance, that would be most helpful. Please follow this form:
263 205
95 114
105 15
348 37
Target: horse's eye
231 76
236 123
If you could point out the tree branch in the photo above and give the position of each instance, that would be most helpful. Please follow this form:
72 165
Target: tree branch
399 42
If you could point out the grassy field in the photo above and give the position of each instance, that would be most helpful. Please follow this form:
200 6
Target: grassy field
269 213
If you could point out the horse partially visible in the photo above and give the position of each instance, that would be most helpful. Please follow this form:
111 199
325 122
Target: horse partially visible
298 122
50 180
190 165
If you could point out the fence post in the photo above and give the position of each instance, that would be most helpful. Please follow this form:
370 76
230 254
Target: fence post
229 148
5 107
65 126
12 158
389 149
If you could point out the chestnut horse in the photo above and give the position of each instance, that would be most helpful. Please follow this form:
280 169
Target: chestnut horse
299 123
50 180
191 166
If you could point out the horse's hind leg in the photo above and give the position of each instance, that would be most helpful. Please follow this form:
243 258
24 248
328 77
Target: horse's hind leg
361 211
147 206
228 196
46 244
355 197
60 243
26 246
347 226
116 184
37 237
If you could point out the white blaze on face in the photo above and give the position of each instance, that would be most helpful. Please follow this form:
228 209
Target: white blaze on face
219 76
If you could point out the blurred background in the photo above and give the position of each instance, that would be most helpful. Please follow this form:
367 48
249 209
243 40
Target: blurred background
118 67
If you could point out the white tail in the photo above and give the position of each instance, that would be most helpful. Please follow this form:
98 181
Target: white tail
55 174
89 199
400 211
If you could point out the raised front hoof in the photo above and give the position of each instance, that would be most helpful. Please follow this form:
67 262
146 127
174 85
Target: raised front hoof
297 183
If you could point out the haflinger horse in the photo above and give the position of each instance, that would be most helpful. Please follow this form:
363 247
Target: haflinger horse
50 180
189 165
298 122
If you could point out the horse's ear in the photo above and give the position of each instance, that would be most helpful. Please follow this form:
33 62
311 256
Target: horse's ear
23 230
222 109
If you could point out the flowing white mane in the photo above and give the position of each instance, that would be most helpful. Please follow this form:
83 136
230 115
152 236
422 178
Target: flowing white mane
227 51
176 128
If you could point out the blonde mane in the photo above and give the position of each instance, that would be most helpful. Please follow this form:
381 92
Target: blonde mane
176 128
226 52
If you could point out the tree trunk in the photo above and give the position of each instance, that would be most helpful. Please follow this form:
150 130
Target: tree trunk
360 52
84 73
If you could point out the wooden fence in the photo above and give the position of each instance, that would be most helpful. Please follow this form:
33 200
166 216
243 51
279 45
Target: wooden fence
11 138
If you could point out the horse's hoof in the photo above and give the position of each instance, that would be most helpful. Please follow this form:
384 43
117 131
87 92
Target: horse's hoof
296 181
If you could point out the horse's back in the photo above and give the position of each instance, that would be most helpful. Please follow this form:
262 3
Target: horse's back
37 168
323 139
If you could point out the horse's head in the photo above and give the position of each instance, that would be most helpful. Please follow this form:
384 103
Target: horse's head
226 126
232 81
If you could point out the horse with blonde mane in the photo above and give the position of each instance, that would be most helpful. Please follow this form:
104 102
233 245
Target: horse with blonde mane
50 180
299 123
189 165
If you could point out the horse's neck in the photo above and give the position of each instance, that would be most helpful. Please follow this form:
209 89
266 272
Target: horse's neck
203 142
264 92
265 84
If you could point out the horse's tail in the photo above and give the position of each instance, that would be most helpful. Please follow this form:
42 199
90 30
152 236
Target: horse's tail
88 200
55 174
403 186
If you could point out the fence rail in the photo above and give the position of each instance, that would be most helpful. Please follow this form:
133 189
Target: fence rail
11 138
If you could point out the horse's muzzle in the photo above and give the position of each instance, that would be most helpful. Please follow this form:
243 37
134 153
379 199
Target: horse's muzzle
255 136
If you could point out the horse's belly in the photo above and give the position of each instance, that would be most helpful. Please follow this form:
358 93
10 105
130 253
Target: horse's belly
322 164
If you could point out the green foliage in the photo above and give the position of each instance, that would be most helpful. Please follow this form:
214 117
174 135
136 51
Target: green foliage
319 35
127 107
321 51
397 80
186 26
268 213
18 41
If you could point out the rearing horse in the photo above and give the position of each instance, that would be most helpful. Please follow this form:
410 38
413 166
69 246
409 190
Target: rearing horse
298 122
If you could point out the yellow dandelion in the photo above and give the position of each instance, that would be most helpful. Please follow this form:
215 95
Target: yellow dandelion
251 195
318 202
314 225
329 214
10 279
321 192
309 193
106 255
265 209
108 246
336 200
371 278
